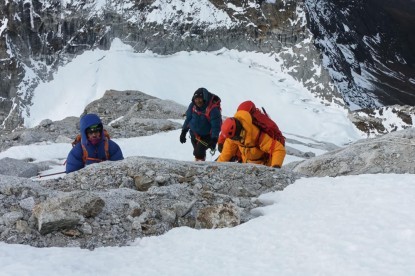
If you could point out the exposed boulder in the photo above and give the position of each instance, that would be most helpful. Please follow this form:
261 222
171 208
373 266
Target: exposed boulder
134 114
67 211
390 153
14 167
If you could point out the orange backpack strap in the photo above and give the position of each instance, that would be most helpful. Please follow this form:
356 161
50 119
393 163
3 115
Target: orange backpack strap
106 148
76 140
84 154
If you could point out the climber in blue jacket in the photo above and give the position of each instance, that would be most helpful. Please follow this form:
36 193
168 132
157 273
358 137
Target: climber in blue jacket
94 145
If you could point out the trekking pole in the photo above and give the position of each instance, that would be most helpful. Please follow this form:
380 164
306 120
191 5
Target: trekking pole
40 176
202 142
212 151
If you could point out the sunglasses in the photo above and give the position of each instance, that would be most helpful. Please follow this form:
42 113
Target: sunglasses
94 129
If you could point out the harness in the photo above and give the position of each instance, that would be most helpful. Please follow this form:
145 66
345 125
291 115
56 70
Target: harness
267 155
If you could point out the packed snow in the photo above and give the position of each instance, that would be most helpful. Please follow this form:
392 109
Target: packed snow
350 225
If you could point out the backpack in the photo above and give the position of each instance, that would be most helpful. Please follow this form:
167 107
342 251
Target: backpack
85 157
263 122
214 102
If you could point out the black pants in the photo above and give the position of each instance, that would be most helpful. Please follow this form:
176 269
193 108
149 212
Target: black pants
199 150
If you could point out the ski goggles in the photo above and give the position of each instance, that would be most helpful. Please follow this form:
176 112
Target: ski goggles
94 129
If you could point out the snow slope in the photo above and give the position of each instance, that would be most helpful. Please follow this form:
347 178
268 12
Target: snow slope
352 225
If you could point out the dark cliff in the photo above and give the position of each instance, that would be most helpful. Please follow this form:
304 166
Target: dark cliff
36 37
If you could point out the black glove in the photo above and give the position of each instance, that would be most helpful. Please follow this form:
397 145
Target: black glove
212 143
183 136
220 147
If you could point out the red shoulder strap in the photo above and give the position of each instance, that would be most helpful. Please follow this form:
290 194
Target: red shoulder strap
259 140
209 108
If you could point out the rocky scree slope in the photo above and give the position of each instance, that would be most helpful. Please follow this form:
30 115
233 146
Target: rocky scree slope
113 203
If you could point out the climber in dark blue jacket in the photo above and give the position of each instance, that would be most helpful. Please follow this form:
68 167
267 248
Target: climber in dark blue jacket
94 147
204 120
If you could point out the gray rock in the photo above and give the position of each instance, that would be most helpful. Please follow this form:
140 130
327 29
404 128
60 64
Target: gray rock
86 229
143 183
10 218
14 167
66 212
22 226
219 216
389 153
27 203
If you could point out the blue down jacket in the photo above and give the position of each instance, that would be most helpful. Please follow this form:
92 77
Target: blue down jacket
74 161
197 121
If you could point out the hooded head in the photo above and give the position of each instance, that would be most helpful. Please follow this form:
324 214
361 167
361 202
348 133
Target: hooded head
201 93
87 121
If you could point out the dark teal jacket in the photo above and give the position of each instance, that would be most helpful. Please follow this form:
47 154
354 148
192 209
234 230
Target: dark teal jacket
200 123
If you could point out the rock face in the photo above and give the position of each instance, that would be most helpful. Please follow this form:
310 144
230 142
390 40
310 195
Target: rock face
36 37
383 120
101 205
368 49
42 35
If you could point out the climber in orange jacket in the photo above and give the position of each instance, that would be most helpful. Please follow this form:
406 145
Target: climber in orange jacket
255 146
221 141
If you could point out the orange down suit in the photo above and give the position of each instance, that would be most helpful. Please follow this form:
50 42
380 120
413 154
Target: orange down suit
265 150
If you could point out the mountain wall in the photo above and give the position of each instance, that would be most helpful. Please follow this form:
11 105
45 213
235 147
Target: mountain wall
36 37
368 48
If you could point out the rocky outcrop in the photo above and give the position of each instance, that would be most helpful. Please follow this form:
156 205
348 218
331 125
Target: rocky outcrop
383 120
390 153
101 205
113 203
20 168
133 114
